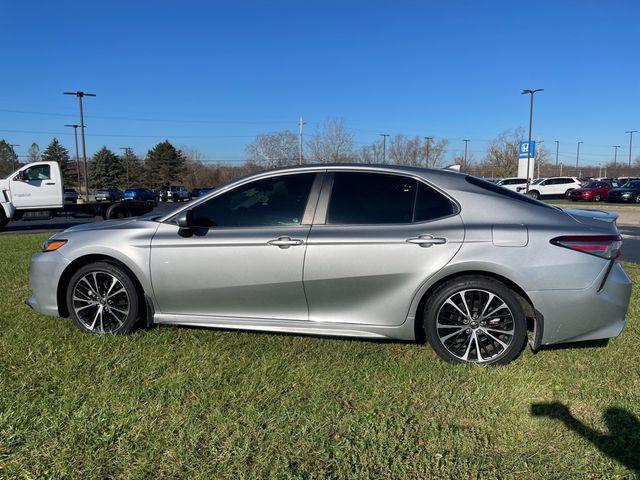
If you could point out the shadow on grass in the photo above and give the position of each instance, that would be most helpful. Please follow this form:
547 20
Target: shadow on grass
622 443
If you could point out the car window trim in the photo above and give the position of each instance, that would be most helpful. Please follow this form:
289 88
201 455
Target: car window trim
327 188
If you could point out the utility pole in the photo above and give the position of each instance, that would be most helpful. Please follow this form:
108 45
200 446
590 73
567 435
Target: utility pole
80 95
384 147
466 141
75 135
301 124
428 139
615 154
530 92
127 151
578 157
630 132
557 151
13 155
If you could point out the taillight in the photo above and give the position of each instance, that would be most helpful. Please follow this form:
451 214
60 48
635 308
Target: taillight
605 246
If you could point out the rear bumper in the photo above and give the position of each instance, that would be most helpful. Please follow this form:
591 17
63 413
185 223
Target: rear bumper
44 275
595 313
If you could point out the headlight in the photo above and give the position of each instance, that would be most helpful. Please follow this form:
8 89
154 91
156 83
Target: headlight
52 244
626 194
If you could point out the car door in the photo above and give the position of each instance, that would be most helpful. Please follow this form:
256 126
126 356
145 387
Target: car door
244 258
376 239
37 186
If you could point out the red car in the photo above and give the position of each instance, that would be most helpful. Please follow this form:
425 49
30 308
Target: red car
592 191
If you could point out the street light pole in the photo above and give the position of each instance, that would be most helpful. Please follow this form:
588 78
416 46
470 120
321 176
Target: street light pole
530 92
126 161
615 154
428 139
13 155
578 157
384 147
466 141
80 95
630 132
75 135
557 151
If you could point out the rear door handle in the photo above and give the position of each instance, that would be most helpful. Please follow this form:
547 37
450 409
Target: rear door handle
427 240
285 242
49 183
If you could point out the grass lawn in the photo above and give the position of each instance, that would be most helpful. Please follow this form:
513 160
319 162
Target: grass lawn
196 403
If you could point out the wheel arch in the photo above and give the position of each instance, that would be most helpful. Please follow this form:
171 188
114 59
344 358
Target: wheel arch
534 320
80 262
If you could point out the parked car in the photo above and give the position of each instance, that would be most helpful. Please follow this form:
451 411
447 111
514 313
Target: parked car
109 194
513 183
176 193
552 187
199 192
629 192
358 251
139 193
592 191
71 195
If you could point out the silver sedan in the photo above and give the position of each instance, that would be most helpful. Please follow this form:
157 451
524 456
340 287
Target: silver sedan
359 251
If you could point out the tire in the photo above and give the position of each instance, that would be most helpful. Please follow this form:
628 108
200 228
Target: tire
116 211
467 339
102 299
597 198
636 199
3 219
568 192
535 194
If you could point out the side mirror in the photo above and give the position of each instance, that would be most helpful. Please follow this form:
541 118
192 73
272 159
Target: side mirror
185 219
20 177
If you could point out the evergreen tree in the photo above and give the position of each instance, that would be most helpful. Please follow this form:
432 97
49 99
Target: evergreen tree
105 169
8 159
33 154
55 152
133 168
164 163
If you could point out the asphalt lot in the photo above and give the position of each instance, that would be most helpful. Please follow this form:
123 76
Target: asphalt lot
630 233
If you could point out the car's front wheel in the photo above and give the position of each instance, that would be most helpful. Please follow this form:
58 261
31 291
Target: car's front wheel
534 194
597 198
475 319
102 298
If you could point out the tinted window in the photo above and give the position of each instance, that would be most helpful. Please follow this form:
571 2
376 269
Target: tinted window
370 198
269 202
431 204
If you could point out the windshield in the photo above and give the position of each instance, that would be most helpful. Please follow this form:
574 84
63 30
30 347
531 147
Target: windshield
591 185
537 181
634 184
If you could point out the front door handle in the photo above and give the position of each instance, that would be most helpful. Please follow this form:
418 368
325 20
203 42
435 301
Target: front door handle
427 240
285 242
50 183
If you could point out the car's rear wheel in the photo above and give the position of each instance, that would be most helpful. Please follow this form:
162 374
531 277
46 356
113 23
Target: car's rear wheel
102 299
475 319
568 193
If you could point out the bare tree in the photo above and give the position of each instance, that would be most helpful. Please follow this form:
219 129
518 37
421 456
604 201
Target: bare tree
416 152
33 154
332 143
502 155
274 149
372 154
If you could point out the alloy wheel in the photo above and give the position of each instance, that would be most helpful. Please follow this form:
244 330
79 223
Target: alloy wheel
475 326
101 302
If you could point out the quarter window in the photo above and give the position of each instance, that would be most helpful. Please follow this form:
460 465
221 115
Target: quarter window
276 201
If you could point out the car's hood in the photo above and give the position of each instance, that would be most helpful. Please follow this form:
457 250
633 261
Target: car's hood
127 223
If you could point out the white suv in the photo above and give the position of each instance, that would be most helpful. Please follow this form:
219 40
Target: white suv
553 186
512 183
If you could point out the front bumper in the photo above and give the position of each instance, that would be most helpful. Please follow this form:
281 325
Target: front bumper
44 276
594 313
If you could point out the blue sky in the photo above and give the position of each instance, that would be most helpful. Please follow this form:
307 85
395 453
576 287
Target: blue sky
212 75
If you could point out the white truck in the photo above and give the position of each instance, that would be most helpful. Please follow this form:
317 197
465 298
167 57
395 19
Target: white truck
36 190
